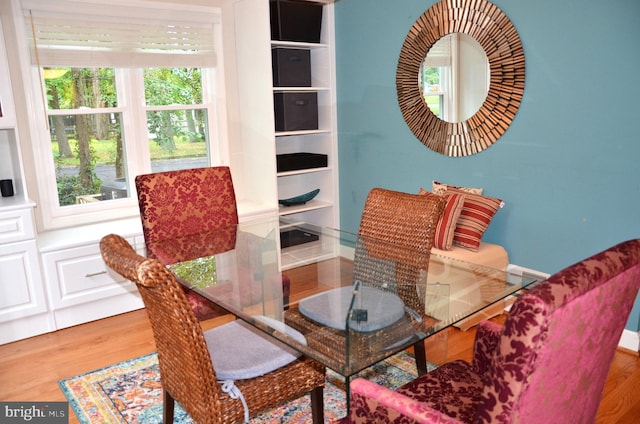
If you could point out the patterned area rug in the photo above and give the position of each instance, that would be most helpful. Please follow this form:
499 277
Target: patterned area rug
130 392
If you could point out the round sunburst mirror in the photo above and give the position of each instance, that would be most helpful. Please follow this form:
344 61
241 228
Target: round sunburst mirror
487 25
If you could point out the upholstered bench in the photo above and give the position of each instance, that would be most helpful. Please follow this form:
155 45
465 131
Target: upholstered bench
490 255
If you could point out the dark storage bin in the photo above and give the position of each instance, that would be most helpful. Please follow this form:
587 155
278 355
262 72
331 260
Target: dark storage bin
291 67
295 21
296 111
296 161
295 236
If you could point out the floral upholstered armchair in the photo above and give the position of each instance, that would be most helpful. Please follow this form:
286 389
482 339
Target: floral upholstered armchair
547 364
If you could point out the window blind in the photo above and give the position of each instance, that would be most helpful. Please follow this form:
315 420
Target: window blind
95 34
439 54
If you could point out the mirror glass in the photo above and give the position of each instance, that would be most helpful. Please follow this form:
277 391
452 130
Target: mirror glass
454 77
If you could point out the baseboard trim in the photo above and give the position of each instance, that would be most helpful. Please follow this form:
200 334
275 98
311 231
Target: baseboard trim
630 340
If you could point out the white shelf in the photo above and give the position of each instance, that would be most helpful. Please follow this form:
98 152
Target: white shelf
301 132
298 45
309 206
299 89
325 247
307 253
303 171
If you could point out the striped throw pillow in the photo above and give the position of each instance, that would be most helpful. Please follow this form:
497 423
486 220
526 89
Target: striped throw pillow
447 223
477 213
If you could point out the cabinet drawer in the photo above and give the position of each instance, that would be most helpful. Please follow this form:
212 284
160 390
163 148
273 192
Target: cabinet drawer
16 225
79 275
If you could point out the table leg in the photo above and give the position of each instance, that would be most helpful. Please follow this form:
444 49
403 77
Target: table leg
317 405
347 391
421 357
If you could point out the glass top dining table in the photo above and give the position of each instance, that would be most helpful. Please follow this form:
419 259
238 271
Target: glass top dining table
354 301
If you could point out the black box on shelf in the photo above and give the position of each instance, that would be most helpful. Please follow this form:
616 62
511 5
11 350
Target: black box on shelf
291 67
295 236
295 21
296 111
296 161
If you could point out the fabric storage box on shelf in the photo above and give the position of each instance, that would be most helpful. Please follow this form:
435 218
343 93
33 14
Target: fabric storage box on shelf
295 21
296 161
295 111
291 67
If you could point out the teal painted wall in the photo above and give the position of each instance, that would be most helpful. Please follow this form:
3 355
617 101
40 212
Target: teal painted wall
567 168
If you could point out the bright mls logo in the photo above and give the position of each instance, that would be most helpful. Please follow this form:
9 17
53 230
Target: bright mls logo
34 412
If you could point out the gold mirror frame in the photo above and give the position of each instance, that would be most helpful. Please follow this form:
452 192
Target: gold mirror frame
494 31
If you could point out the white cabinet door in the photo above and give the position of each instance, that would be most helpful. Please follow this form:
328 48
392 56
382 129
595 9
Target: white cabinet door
23 304
21 291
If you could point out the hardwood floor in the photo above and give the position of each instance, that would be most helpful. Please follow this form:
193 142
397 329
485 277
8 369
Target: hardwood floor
30 369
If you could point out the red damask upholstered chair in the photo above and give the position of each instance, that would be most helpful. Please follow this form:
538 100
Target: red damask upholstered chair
547 364
175 204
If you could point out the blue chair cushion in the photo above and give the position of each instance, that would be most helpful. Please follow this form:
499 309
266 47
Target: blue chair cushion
330 308
239 351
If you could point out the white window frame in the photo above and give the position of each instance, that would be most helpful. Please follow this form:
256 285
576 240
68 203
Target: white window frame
138 162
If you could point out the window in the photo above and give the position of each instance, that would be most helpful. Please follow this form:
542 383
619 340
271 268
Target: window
435 78
87 138
434 88
124 95
454 77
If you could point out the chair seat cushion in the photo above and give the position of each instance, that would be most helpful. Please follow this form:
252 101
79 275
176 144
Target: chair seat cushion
330 308
453 389
239 351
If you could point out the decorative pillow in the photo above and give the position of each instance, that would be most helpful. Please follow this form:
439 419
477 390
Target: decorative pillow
477 213
447 223
439 188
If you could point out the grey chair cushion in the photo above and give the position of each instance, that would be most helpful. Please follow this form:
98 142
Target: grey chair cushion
239 351
330 308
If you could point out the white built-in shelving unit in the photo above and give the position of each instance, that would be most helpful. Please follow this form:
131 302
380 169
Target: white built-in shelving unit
323 210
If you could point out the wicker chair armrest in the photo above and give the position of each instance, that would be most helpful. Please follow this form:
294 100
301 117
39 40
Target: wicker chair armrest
486 341
371 402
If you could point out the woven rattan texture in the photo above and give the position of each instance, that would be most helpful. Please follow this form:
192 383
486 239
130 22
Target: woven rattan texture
396 235
363 347
186 370
395 239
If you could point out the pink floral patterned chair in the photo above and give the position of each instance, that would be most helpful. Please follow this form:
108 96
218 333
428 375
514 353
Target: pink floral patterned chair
547 364
176 204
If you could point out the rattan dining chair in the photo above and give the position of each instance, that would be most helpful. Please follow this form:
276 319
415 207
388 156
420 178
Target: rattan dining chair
175 204
224 375
392 224
392 252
